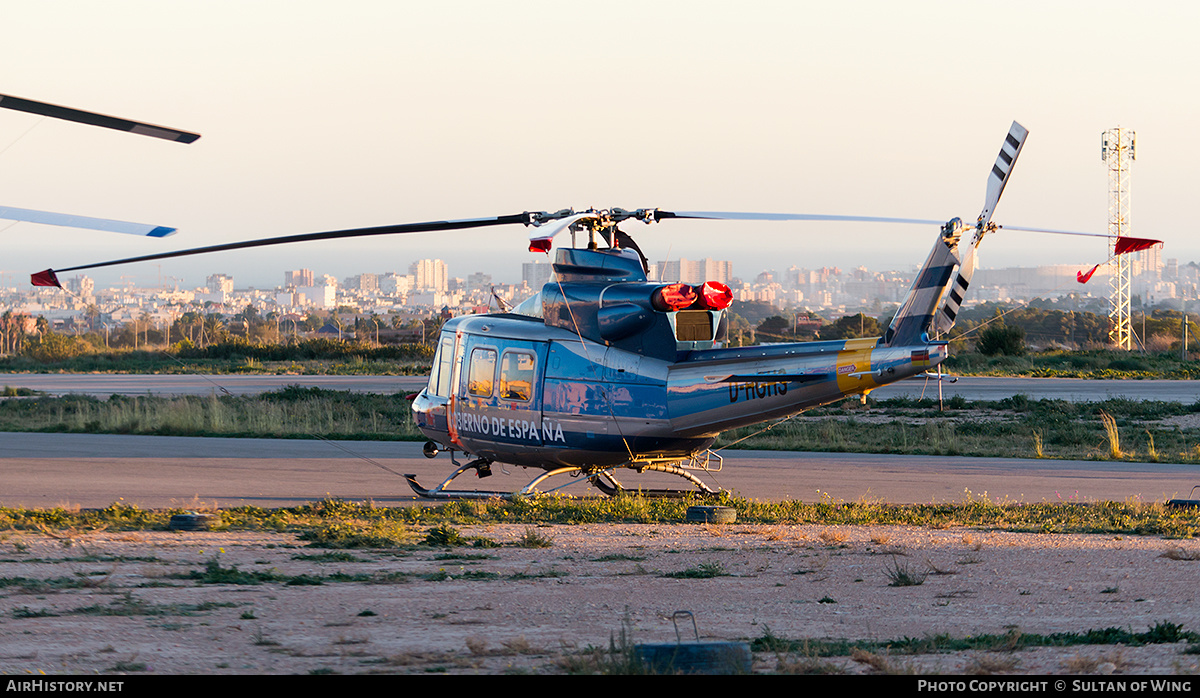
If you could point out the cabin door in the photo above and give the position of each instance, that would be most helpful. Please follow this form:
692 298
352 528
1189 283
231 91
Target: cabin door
500 395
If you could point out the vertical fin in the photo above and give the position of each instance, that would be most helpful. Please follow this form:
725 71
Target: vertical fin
957 292
916 315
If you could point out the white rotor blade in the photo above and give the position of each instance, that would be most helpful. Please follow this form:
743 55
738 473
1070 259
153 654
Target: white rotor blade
735 216
1013 142
69 221
1055 232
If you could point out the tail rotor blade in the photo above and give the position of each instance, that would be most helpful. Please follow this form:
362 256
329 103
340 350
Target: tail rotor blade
1013 142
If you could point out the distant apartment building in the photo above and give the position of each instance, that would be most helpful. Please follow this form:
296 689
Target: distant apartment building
1048 281
300 277
479 281
323 297
219 283
363 283
1148 264
536 274
695 272
430 275
81 286
392 284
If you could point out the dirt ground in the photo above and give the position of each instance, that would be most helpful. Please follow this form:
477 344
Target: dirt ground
139 602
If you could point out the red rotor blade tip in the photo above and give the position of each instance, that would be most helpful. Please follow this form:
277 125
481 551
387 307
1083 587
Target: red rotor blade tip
1126 245
45 278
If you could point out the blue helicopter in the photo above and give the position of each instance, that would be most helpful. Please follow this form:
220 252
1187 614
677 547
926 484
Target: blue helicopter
605 372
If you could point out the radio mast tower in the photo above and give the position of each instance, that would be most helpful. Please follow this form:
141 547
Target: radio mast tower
1118 151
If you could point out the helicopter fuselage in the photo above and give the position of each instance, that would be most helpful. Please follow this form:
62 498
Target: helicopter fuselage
511 389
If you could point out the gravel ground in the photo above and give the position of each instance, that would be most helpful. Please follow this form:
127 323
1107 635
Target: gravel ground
135 602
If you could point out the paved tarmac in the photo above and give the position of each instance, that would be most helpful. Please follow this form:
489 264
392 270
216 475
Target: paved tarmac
47 470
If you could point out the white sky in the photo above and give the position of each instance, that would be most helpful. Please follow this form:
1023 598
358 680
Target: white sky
320 116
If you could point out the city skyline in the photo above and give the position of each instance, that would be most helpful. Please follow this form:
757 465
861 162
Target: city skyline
427 284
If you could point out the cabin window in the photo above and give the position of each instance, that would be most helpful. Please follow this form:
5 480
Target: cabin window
517 375
483 372
443 366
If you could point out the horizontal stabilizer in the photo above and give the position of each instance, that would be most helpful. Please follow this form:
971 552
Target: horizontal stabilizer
70 221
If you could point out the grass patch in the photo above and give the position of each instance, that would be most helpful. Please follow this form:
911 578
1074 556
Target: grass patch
26 612
900 575
336 524
705 570
292 412
463 556
552 573
1163 632
445 536
532 539
328 557
214 573
129 605
618 557
1000 428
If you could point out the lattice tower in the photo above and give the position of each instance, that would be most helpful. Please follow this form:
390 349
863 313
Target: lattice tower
1118 151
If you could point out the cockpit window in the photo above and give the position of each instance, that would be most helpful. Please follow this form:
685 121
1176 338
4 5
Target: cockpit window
517 375
443 365
483 372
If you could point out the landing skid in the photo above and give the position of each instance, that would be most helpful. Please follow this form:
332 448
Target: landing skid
603 480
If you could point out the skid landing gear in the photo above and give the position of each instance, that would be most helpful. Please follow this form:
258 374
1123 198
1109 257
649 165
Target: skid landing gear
612 487
603 480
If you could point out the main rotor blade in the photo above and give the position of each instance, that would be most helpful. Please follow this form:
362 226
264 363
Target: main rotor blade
1053 232
1009 150
94 119
736 216
49 278
70 221
1124 243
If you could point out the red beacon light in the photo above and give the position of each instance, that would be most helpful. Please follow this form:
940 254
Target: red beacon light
714 295
673 297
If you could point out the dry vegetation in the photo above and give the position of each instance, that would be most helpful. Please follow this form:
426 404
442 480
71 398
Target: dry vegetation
513 598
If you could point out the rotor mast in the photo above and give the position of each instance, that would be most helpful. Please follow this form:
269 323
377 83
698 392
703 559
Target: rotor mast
1118 151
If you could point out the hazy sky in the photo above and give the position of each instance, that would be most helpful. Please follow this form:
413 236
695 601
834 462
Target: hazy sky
320 115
